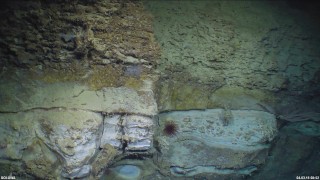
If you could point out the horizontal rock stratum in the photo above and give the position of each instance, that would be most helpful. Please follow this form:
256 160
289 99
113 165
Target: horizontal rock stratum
66 129
215 141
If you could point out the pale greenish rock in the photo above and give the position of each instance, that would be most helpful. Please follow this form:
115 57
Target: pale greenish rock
204 143
74 135
73 122
236 43
73 95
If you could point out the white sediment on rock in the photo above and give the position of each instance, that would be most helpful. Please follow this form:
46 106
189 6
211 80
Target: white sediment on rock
73 122
74 135
133 130
112 131
71 134
139 131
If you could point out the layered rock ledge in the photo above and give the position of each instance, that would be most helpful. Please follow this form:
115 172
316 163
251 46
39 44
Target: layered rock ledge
215 141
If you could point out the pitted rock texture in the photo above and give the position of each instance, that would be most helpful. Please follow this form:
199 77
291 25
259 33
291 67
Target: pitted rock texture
74 135
69 141
260 45
86 94
214 141
97 43
69 129
65 68
37 33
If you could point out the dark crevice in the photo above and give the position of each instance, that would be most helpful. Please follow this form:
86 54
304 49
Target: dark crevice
124 146
137 156
77 95
75 109
124 143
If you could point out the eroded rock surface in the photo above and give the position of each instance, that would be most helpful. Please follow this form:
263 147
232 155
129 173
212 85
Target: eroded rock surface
73 95
57 119
205 143
68 71
78 85
128 132
259 46
82 33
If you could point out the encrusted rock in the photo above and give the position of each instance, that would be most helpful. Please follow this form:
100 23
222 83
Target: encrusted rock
84 33
138 131
103 159
40 161
74 135
205 144
128 132
112 132
17 133
48 135
73 95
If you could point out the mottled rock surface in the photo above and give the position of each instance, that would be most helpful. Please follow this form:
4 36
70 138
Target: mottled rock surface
260 46
81 83
135 131
67 70
215 141
81 33
70 126
30 94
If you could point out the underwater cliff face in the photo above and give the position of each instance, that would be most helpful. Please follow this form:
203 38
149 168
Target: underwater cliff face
260 48
158 89
77 82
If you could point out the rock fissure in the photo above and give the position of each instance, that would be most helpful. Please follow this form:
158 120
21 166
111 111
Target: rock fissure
191 171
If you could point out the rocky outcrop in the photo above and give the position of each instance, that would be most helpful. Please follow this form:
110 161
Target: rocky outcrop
211 45
215 141
72 95
84 87
128 132
66 36
77 86
69 130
